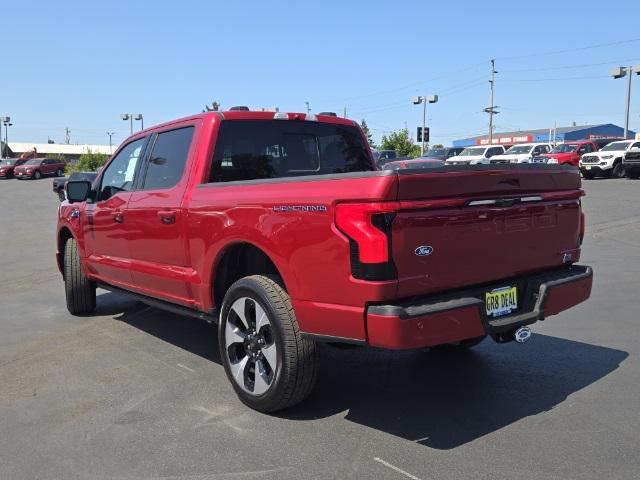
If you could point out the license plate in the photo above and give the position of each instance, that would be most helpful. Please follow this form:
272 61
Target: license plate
501 301
588 167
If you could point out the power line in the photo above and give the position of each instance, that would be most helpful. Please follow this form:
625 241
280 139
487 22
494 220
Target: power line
553 79
563 67
567 50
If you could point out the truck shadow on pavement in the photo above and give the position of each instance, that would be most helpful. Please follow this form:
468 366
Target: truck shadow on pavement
441 399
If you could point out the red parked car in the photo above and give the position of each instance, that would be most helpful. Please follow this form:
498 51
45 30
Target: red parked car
40 167
280 228
8 165
569 152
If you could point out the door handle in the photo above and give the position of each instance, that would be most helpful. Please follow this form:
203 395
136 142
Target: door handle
167 217
118 217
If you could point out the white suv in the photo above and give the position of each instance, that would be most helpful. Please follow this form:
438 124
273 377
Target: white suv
475 155
522 153
607 161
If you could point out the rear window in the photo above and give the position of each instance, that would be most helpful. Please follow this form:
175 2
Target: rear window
254 149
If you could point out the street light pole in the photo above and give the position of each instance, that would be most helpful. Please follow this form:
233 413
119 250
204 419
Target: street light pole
620 72
626 114
110 135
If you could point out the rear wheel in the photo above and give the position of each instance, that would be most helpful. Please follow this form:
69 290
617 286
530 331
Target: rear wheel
618 170
37 175
59 172
79 290
269 364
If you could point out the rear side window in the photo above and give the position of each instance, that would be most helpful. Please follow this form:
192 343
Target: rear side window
168 158
258 149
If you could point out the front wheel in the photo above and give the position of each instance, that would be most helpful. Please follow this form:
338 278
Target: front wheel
80 292
37 175
269 364
59 172
618 170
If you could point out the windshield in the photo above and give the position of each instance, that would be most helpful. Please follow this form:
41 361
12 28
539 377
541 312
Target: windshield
7 162
467 152
33 161
615 146
516 149
565 148
437 153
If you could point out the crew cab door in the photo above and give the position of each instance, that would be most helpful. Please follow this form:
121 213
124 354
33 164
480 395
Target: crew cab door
107 223
159 262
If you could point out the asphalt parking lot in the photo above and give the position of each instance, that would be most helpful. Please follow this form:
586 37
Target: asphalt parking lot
136 393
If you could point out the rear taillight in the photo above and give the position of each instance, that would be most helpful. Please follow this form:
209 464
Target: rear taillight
368 228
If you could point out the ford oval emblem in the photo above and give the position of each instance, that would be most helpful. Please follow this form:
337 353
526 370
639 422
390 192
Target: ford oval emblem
424 250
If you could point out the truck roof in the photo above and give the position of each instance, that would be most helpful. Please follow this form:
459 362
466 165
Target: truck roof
252 115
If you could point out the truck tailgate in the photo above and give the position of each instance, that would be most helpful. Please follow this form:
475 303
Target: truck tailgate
457 228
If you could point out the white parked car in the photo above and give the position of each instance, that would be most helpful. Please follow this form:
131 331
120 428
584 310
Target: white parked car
607 161
522 153
476 155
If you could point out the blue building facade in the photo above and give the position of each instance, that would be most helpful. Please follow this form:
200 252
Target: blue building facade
561 134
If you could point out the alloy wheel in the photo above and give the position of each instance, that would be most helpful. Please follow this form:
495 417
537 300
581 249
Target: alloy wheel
250 346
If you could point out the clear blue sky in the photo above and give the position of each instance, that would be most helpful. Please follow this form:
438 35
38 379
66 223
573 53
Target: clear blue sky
79 64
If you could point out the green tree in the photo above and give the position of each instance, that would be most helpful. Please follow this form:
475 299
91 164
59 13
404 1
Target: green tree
90 162
401 143
367 133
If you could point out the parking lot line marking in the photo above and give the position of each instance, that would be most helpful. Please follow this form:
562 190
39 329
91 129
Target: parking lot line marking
185 367
393 467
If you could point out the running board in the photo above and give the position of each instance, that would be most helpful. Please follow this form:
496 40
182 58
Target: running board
211 317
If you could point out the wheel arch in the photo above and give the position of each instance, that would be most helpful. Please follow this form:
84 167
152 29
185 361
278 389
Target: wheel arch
237 260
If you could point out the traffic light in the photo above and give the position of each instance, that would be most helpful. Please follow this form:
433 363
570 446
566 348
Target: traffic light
426 134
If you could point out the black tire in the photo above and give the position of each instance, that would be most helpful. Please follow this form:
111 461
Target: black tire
37 175
297 360
633 174
59 172
80 292
589 175
618 170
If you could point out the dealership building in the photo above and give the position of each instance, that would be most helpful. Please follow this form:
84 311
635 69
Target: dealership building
550 135
69 151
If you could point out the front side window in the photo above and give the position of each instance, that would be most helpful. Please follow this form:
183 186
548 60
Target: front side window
168 158
259 149
120 173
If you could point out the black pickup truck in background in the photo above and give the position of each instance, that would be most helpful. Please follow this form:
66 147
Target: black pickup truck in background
631 162
59 183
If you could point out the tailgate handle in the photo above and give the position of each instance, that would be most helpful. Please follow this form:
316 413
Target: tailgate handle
504 202
167 217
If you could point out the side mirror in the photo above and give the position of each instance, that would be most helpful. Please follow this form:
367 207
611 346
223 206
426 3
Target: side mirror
78 190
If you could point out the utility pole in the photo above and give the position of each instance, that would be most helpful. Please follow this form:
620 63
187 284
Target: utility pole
66 135
491 110
344 112
308 107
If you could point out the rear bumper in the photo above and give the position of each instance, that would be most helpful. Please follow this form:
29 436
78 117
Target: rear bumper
461 315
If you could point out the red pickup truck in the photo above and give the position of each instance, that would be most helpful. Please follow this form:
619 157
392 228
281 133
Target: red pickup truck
570 152
280 228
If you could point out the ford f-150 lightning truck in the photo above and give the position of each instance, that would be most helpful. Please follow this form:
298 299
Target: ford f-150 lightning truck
279 227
